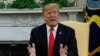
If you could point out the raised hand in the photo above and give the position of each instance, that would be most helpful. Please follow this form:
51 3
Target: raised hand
31 50
63 50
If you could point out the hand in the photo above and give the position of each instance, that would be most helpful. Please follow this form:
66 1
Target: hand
63 51
31 50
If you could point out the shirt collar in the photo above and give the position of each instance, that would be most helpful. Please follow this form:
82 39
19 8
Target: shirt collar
55 28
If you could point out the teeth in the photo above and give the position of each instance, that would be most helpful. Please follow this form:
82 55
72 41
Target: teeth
52 20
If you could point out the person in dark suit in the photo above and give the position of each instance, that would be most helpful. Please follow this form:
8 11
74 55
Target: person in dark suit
63 41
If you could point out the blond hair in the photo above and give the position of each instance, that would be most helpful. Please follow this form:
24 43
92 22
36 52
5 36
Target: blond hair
48 6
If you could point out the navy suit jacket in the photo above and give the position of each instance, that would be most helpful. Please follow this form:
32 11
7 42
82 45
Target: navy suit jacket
64 35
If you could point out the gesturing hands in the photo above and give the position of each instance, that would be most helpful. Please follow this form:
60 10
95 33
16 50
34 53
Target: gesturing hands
63 50
31 49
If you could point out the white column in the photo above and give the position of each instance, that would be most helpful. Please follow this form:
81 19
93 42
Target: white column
72 16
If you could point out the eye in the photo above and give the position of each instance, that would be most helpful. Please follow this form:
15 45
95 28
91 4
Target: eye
49 13
55 12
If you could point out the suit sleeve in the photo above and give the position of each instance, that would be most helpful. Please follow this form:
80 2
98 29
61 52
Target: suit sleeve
32 37
72 47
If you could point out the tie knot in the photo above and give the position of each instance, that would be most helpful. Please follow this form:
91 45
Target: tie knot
51 29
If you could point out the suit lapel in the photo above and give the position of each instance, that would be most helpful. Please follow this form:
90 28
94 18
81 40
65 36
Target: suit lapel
45 43
57 40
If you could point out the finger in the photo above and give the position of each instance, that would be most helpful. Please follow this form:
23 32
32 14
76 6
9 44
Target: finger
28 48
29 45
66 47
61 46
33 45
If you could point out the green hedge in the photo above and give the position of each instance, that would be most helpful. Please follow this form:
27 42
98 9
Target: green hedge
2 5
24 4
21 4
62 3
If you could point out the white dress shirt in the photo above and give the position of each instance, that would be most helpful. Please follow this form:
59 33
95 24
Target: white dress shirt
54 32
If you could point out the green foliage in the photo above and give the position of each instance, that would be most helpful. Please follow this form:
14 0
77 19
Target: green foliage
21 4
62 3
9 5
2 5
24 4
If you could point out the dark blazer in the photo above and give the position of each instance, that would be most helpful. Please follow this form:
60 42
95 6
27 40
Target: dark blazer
64 35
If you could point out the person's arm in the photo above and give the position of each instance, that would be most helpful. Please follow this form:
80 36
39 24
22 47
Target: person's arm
31 46
72 46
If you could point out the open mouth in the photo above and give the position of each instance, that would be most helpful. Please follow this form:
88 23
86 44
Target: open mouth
52 20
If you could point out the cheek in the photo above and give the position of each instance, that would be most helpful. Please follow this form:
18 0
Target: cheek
57 16
46 16
46 20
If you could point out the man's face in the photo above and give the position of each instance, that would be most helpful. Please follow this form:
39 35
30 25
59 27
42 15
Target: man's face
51 16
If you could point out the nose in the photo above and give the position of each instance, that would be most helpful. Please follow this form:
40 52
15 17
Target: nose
52 14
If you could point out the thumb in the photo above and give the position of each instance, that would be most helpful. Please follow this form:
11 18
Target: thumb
33 45
66 47
61 46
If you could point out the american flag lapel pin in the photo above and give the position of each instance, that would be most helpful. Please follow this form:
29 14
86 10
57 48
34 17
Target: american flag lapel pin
60 33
